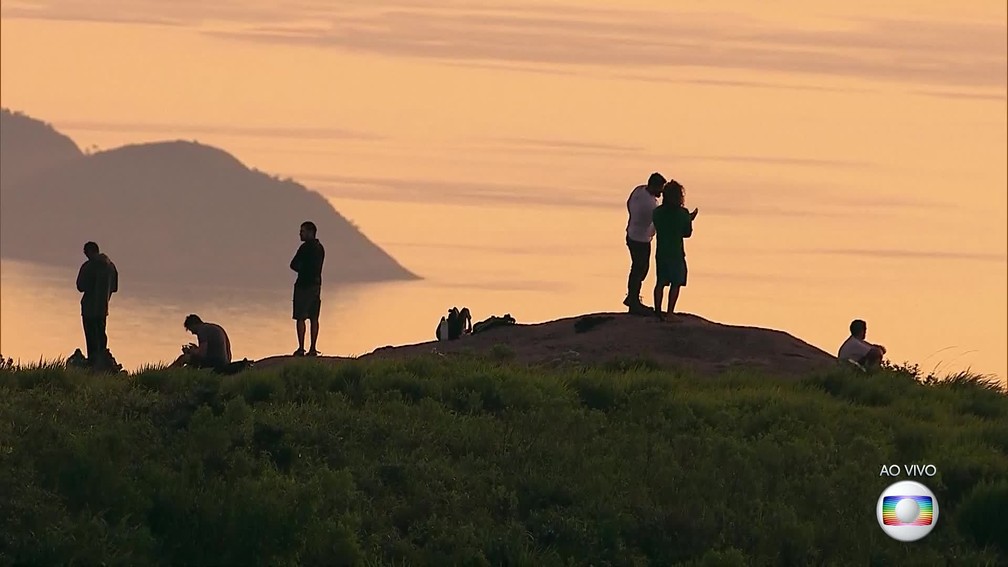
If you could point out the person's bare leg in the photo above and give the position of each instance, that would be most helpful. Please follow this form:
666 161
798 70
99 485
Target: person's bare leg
180 361
314 336
659 297
873 359
673 297
300 335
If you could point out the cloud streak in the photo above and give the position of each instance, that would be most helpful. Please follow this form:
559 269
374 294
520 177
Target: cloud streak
998 97
745 202
741 84
453 192
778 160
567 146
924 53
550 249
971 54
573 147
913 255
188 130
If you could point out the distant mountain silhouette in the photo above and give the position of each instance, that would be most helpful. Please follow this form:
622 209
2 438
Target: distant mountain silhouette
168 212
28 145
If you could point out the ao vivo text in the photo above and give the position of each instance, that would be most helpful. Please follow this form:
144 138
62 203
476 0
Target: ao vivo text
908 470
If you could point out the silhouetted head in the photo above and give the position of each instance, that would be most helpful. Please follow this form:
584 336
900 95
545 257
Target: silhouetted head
308 230
91 250
674 193
859 329
192 323
655 183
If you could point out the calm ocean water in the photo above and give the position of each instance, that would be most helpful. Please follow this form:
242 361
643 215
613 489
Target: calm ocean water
849 160
40 317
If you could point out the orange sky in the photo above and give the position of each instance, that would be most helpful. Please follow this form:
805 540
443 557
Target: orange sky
814 132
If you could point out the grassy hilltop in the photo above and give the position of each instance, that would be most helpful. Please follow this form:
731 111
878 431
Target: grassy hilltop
482 461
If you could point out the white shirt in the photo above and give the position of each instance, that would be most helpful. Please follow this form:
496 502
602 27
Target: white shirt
641 206
853 349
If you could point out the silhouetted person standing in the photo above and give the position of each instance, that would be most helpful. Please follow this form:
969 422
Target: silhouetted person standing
672 224
307 263
640 205
97 279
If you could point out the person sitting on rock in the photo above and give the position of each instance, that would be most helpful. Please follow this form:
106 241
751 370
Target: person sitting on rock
493 321
461 324
213 350
855 349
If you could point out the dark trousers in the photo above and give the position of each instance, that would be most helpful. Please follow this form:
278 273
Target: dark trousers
640 263
95 338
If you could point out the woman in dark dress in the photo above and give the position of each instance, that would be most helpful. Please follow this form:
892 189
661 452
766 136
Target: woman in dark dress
672 222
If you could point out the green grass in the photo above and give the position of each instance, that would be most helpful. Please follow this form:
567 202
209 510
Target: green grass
473 461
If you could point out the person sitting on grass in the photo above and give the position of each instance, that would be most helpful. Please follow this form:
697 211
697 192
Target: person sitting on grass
213 350
855 349
672 222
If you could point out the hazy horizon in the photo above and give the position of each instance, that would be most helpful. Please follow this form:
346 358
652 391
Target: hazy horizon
848 160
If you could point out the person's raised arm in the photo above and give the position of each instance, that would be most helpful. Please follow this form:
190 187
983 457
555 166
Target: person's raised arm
688 227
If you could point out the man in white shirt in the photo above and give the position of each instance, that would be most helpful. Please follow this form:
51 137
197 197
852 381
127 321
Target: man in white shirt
639 232
856 349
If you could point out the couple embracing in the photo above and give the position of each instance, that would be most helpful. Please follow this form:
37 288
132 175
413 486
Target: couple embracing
670 222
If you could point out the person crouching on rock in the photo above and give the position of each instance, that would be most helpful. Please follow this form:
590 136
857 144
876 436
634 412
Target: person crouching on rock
672 223
213 350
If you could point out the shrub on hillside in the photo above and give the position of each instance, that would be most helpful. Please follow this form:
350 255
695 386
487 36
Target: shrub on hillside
434 461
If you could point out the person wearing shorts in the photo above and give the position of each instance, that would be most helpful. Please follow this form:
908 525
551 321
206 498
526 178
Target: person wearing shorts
672 222
307 262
